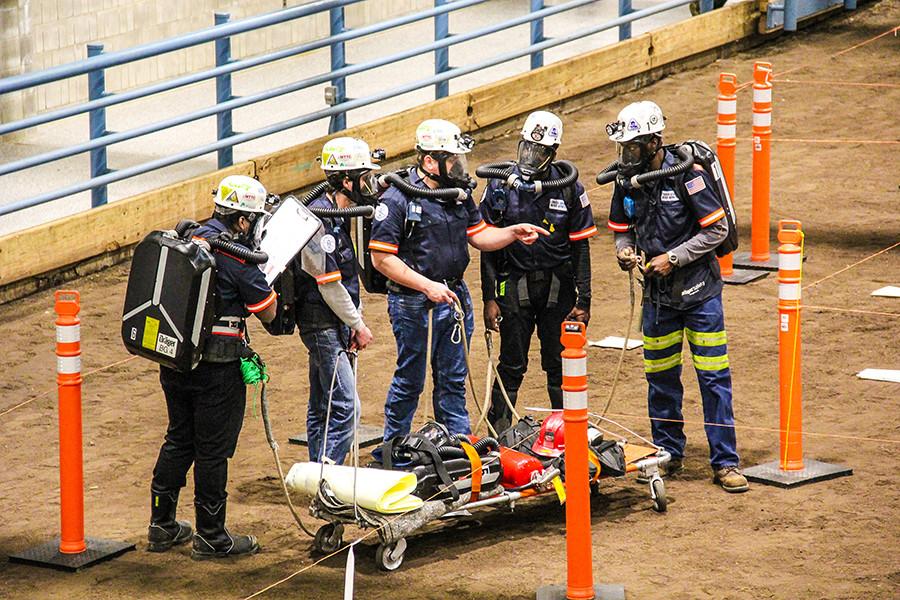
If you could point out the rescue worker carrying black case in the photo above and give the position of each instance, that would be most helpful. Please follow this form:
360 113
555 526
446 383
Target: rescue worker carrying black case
205 391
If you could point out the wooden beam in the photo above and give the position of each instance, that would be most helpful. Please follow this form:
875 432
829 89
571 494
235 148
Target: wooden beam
703 32
109 228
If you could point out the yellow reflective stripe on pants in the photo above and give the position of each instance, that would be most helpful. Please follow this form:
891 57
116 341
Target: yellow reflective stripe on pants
661 343
655 365
706 338
710 363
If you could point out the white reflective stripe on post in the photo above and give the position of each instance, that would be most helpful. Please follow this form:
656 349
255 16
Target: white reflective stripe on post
762 94
788 291
728 132
574 367
727 107
67 334
68 365
575 400
762 119
790 262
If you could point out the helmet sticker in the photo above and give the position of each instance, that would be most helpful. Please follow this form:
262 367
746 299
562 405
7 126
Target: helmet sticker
653 119
554 132
328 243
633 125
537 134
381 212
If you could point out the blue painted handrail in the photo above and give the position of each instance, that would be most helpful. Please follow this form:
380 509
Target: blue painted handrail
94 66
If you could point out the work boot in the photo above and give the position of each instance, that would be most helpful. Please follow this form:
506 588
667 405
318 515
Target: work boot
675 465
213 540
731 479
164 531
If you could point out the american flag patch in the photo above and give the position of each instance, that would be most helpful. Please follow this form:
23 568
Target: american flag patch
695 185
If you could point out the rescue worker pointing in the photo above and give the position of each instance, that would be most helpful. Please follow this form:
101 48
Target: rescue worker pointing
673 225
206 405
537 286
328 307
420 245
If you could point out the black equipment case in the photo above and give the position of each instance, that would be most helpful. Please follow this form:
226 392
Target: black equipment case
169 308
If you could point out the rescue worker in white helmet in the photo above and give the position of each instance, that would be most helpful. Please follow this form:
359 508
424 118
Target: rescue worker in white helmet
539 286
328 309
206 405
674 224
421 245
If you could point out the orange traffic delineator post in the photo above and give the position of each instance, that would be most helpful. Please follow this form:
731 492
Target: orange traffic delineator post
759 256
726 141
72 551
791 469
580 581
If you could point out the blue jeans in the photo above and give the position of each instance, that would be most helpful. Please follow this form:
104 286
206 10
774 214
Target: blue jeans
326 353
409 320
704 327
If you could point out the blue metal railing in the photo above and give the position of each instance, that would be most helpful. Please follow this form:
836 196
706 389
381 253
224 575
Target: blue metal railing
336 95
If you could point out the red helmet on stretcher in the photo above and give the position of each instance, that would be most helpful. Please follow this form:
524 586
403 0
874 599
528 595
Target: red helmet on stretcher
551 440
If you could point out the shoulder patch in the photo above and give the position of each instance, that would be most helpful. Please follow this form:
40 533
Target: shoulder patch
695 185
557 204
381 212
585 201
328 243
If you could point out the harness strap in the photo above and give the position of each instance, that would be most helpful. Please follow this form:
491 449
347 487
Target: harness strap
475 461
522 289
553 296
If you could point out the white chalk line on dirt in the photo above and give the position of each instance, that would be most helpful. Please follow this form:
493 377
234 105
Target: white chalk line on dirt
48 392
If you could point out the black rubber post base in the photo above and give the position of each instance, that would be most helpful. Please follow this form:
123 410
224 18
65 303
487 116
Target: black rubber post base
813 470
742 261
369 435
607 591
48 555
744 276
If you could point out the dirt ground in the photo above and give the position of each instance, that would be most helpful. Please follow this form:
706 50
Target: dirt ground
830 540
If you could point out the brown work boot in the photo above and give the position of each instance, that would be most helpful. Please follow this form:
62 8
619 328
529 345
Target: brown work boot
674 466
731 479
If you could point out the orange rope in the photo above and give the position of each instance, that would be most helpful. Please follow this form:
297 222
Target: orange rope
848 267
839 83
835 141
765 429
851 310
835 55
42 394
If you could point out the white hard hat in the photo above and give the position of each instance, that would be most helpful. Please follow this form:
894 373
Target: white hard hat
346 154
543 128
241 193
438 135
635 120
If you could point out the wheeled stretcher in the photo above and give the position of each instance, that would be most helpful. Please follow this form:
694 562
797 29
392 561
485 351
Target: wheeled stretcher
394 529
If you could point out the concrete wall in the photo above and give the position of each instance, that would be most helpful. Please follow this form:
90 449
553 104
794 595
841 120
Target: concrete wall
36 34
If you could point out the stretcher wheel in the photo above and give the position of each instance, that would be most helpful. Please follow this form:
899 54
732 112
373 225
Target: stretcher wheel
329 538
658 493
389 557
